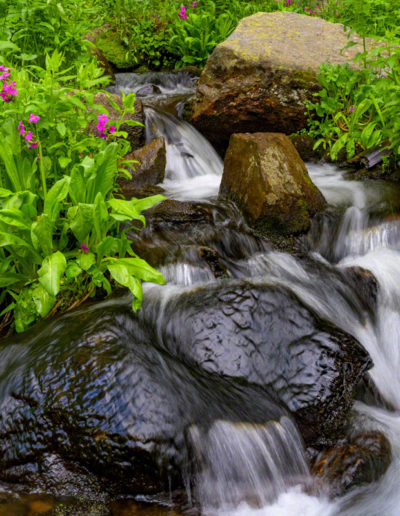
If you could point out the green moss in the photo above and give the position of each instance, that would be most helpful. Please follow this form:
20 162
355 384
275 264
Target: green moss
114 50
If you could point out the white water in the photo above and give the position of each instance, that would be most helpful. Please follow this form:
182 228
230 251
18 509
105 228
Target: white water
362 239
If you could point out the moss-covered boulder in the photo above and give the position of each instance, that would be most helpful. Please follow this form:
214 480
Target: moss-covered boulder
110 44
266 178
261 77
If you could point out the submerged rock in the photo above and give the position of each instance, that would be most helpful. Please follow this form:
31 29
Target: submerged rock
265 176
262 76
149 171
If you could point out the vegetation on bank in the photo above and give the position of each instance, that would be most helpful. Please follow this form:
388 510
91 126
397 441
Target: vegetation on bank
60 210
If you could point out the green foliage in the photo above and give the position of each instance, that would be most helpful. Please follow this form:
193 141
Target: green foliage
60 235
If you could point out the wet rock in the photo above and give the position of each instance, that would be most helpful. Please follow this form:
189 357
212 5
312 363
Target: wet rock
305 147
172 213
148 172
265 176
262 334
92 389
148 89
364 284
213 260
262 76
136 133
353 462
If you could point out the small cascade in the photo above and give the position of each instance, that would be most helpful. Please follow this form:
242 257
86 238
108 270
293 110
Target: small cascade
194 169
154 83
242 461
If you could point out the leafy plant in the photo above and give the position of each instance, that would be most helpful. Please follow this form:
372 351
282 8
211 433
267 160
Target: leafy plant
60 236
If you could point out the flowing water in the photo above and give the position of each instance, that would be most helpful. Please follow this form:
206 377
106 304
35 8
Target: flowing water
244 469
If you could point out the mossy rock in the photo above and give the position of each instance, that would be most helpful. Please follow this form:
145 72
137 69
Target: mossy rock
115 51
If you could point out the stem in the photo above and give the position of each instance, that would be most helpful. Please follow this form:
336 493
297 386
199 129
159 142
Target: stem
42 172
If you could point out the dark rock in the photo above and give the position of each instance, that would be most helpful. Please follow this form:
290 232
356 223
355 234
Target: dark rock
148 89
213 260
172 213
305 147
136 133
91 389
353 462
262 334
148 172
265 176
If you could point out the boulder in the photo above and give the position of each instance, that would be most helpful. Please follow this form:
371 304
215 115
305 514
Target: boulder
148 172
263 335
111 395
266 178
262 76
136 133
354 461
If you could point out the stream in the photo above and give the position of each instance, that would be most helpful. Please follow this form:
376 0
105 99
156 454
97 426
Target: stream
249 468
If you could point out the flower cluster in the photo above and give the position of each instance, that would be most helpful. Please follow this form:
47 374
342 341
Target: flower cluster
101 126
182 13
289 3
28 135
308 10
8 89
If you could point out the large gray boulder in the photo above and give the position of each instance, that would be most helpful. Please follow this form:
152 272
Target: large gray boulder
261 77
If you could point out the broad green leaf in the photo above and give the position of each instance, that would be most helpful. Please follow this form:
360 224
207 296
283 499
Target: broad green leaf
140 269
10 279
42 234
14 217
102 175
44 301
81 220
77 187
55 195
100 217
125 210
64 161
72 270
147 202
120 273
86 260
52 270
107 247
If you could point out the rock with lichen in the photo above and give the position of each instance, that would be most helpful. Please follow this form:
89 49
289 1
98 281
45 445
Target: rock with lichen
262 76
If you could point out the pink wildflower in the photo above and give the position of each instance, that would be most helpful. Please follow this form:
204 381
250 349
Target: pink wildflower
351 109
194 4
111 129
21 128
84 248
33 145
34 119
182 14
28 137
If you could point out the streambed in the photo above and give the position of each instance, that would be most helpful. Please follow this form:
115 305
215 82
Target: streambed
251 468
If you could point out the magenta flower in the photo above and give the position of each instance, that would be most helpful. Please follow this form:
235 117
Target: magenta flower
111 129
101 126
21 128
182 14
33 145
84 248
194 4
351 109
28 137
34 119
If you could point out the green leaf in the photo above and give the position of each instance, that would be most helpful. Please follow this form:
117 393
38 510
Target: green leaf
14 217
108 246
120 273
100 217
64 161
10 279
147 202
42 234
81 220
43 301
55 195
125 210
62 129
86 260
72 270
140 269
50 273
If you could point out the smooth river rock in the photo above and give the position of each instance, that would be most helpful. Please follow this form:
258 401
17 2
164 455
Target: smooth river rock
262 76
266 178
